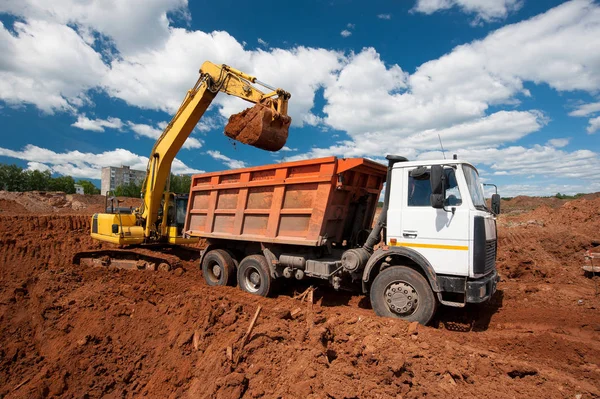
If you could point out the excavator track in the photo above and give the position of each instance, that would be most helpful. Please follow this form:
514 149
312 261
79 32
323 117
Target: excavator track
156 257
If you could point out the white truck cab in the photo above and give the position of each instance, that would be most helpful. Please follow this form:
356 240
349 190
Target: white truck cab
445 237
438 218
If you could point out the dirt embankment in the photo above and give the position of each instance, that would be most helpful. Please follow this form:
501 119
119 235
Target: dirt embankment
69 331
46 202
547 243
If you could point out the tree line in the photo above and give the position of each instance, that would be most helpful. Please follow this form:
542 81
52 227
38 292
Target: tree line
15 178
179 185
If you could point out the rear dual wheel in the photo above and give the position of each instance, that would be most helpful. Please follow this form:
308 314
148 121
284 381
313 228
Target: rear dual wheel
254 275
218 268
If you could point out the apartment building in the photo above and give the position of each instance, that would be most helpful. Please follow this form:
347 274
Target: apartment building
113 177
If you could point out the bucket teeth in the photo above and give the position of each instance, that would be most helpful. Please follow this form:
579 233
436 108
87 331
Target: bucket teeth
259 126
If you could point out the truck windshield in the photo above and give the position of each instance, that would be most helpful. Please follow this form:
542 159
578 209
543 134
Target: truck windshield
474 184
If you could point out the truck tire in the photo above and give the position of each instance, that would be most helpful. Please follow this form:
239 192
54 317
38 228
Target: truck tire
403 293
253 275
236 265
218 268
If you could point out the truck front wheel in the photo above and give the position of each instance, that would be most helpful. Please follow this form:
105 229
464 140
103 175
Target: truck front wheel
403 293
218 268
253 275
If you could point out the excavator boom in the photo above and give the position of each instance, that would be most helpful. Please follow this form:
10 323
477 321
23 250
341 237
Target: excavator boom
264 126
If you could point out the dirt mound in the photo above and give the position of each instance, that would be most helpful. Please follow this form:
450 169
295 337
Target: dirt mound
548 243
42 202
523 203
90 332
8 207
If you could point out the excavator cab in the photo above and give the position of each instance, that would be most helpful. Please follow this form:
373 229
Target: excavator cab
176 214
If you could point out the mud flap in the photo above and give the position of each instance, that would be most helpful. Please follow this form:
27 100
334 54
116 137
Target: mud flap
259 126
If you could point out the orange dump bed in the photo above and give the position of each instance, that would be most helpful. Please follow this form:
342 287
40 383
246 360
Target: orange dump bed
308 202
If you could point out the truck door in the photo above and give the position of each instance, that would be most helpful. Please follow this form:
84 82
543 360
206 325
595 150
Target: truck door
441 236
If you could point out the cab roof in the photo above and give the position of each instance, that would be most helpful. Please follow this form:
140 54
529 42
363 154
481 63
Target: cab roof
429 162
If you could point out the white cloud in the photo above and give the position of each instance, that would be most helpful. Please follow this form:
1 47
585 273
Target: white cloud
450 96
47 65
539 160
85 164
544 188
384 16
594 125
133 25
262 42
97 125
484 10
586 109
286 148
159 79
559 143
345 33
231 163
142 129
208 123
37 166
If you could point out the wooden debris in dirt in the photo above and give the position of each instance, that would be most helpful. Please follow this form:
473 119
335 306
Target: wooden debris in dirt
25 381
295 312
307 294
246 336
196 339
413 328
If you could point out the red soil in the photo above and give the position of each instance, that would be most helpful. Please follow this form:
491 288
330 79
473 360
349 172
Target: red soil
73 331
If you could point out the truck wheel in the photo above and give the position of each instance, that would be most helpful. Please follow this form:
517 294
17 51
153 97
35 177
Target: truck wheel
253 275
218 268
403 293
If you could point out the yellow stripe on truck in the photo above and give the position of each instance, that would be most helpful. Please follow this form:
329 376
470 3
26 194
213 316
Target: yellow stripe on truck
434 246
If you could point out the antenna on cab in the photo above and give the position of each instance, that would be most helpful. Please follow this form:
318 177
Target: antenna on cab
441 145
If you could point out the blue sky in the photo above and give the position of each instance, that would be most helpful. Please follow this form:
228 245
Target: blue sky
511 85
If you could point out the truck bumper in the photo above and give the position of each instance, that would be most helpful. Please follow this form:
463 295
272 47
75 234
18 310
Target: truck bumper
482 289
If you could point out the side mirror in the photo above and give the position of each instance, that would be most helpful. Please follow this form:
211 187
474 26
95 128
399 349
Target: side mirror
437 179
496 203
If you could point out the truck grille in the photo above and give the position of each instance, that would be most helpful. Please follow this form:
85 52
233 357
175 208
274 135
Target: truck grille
490 255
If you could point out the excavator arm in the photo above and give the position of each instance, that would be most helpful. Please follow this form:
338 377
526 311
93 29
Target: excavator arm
264 126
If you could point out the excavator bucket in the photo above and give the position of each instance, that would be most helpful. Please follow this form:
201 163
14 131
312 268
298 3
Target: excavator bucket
260 126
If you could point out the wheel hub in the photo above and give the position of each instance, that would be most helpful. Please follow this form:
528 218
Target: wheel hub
401 298
216 269
255 278
252 279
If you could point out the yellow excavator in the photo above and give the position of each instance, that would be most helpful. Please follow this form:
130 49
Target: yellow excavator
159 220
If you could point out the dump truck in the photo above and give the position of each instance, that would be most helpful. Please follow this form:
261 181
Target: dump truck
433 243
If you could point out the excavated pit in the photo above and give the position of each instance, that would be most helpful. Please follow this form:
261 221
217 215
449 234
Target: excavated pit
75 331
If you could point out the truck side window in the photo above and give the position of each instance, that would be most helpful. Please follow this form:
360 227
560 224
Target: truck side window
453 197
419 189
